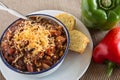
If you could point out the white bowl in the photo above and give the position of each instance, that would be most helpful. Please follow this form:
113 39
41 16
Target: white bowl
53 67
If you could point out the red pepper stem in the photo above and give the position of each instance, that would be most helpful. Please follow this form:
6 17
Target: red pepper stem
110 68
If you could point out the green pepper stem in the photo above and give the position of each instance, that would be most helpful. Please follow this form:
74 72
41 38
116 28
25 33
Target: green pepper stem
106 4
110 68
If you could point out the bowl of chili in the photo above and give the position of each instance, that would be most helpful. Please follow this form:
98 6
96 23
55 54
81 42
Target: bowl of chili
36 46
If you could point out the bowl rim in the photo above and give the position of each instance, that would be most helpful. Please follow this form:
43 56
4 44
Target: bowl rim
54 65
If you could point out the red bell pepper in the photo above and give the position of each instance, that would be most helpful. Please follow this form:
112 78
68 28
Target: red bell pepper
109 49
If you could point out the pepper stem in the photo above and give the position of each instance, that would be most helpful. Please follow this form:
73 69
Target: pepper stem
106 3
110 67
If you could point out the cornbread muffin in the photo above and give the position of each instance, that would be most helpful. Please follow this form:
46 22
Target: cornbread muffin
78 41
67 19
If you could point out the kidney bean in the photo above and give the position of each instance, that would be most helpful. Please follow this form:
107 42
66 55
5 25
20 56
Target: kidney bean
21 65
9 35
60 39
38 69
48 57
11 58
45 66
59 28
30 67
58 33
48 62
11 51
50 51
52 32
32 17
53 23
21 25
44 21
15 26
61 53
5 55
5 45
20 62
55 32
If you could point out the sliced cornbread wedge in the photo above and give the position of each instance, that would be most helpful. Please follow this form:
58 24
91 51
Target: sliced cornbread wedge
67 19
78 41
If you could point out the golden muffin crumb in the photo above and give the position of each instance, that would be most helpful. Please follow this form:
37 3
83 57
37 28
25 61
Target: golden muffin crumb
67 19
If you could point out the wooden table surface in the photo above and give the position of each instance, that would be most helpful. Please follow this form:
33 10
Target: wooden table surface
95 71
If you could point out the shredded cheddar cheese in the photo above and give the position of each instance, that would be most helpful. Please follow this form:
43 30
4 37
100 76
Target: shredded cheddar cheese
36 35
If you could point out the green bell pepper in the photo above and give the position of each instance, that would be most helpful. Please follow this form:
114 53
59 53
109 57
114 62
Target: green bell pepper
100 14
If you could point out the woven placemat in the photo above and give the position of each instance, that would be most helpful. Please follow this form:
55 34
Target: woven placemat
95 71
98 72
